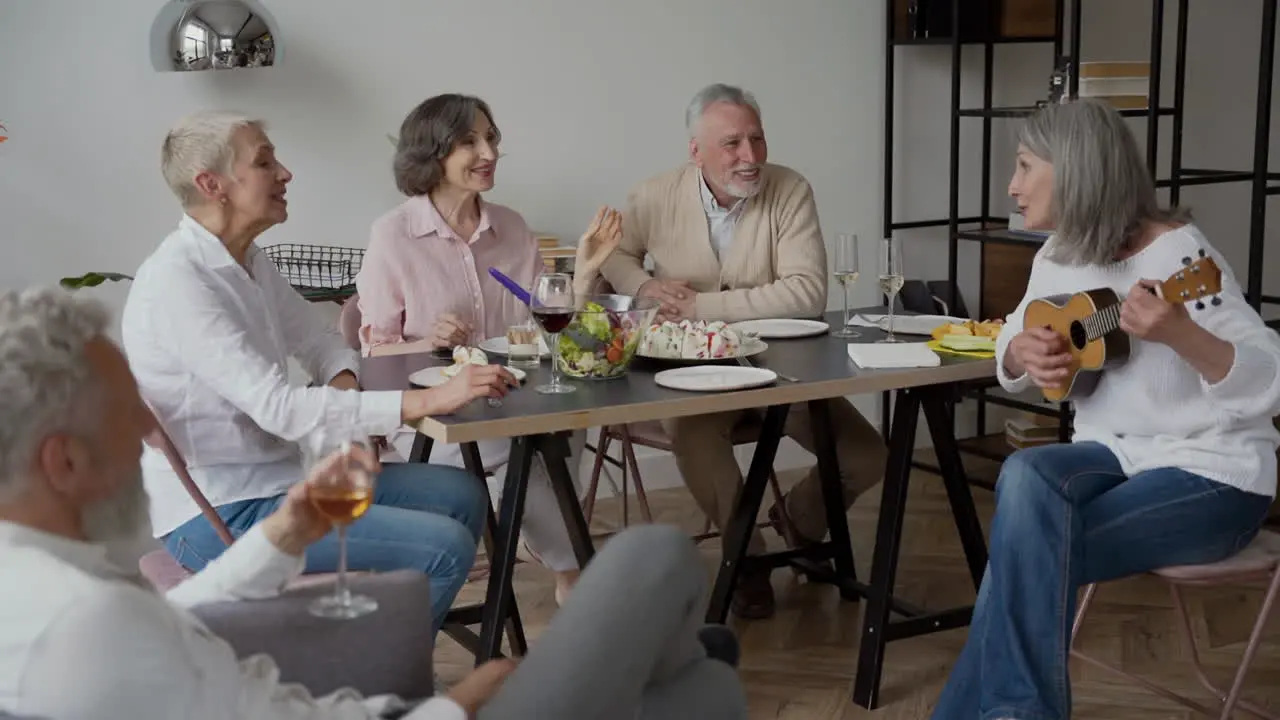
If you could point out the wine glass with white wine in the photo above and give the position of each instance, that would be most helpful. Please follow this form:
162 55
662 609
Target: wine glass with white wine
846 273
890 280
341 489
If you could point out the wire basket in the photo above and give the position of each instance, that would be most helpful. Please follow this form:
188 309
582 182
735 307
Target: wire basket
318 272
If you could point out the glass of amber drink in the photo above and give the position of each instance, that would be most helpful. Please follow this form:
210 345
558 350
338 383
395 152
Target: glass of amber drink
341 489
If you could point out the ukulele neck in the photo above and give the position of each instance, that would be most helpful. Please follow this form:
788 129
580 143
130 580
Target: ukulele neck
1102 322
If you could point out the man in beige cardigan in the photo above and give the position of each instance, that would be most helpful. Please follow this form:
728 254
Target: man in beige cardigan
735 238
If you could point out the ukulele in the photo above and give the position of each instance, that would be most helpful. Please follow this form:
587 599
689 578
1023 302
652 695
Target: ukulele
1090 322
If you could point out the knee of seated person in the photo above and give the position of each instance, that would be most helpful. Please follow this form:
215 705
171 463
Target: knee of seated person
1021 474
456 541
471 493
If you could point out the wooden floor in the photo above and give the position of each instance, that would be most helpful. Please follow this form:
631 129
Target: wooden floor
800 664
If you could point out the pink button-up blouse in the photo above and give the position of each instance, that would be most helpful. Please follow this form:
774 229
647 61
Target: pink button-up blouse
417 268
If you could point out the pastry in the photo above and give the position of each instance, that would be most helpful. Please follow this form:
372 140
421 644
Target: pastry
464 356
692 340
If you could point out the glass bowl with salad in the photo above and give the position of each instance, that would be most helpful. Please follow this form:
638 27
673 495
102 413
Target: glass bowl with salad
602 338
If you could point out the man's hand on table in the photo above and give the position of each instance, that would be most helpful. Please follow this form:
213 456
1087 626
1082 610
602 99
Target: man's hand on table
676 296
296 523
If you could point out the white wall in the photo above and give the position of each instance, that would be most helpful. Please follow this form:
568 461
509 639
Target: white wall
590 98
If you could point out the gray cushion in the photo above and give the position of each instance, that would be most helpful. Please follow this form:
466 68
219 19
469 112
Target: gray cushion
387 651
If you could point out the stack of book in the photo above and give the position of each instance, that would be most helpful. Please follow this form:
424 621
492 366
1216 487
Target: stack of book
1030 430
555 257
1126 85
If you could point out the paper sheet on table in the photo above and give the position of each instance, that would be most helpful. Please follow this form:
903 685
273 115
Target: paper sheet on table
905 324
893 355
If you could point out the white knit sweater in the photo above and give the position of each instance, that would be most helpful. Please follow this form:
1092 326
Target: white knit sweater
1157 410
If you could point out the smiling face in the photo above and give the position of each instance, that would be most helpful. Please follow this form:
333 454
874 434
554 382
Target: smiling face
473 161
730 148
1032 188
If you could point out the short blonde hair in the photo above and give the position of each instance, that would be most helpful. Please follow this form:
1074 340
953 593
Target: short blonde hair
197 143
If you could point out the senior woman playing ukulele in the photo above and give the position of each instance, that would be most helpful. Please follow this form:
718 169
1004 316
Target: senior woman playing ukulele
1173 458
208 326
424 282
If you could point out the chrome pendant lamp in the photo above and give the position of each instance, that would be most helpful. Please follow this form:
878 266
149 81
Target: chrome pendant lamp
197 35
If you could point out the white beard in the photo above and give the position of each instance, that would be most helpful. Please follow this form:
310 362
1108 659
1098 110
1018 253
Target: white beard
122 525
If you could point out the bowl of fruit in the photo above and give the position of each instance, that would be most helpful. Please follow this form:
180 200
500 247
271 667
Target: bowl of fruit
601 339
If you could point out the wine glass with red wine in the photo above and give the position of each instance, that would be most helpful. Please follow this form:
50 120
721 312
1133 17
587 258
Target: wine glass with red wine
552 305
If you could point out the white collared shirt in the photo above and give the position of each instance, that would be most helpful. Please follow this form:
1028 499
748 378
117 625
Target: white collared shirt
83 639
721 221
208 342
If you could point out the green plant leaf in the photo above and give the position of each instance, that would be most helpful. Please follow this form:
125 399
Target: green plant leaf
92 279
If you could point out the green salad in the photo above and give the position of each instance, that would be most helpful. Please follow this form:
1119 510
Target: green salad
599 343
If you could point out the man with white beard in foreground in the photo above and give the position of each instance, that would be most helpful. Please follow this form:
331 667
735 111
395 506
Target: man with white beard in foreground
83 635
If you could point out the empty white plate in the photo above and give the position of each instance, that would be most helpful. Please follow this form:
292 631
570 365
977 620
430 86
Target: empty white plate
498 346
781 328
715 378
433 376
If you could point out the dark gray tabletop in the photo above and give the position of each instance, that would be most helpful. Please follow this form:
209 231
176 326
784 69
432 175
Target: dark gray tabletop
821 364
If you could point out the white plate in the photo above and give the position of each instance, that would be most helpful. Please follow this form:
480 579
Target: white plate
498 346
748 348
715 378
781 328
433 376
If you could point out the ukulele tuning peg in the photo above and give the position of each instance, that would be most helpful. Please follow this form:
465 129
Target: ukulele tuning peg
1199 304
1216 301
1186 261
1202 252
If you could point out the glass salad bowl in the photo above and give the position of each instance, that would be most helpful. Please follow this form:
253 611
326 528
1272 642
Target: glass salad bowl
601 340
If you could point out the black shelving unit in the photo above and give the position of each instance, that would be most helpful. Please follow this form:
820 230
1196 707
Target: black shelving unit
984 229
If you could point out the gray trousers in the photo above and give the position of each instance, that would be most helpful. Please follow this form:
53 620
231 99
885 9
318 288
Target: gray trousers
625 644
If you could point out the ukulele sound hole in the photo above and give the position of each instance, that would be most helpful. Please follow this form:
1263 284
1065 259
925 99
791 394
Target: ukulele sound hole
1079 338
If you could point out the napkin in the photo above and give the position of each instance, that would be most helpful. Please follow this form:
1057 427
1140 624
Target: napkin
893 355
906 324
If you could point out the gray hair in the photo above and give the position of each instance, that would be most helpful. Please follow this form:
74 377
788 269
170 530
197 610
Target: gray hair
428 134
1102 189
46 383
198 143
717 93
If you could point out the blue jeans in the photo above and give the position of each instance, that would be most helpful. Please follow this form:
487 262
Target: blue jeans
1067 516
423 517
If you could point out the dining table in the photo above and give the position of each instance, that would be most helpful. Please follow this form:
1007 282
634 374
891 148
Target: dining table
810 370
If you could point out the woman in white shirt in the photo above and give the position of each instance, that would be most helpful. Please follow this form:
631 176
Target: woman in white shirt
1173 458
208 327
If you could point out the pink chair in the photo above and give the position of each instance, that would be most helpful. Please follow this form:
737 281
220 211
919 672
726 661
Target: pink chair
1257 563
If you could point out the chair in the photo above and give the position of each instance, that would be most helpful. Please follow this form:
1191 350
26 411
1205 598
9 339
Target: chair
651 435
1259 562
349 321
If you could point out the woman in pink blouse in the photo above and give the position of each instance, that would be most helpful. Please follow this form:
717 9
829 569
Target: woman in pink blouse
425 284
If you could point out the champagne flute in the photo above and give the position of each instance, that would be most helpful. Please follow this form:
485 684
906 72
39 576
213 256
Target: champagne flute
552 305
341 489
846 273
890 280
